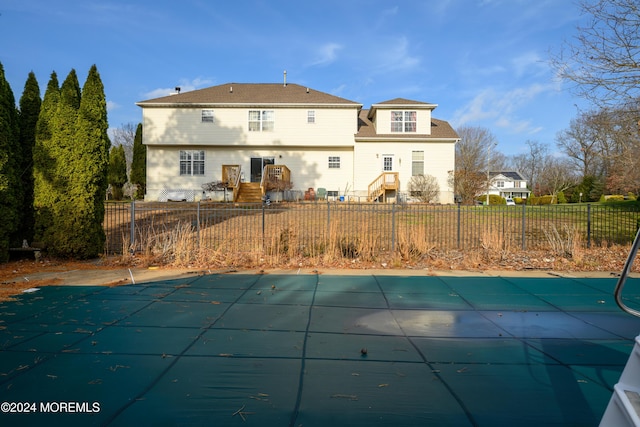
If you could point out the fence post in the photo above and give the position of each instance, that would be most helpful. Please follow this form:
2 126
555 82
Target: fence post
198 225
328 238
589 226
132 236
459 220
524 226
263 227
393 228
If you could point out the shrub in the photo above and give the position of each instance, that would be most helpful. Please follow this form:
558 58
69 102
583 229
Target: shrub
542 200
494 199
424 187
614 198
561 197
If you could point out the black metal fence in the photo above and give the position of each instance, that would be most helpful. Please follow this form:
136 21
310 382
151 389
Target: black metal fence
310 228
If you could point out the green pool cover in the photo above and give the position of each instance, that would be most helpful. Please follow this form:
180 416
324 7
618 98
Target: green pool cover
316 350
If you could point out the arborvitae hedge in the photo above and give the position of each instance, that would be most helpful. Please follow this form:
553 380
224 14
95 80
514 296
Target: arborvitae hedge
60 236
70 167
138 174
30 103
83 211
46 185
117 175
10 158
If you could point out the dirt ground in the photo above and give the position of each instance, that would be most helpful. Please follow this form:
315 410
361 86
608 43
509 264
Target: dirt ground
24 274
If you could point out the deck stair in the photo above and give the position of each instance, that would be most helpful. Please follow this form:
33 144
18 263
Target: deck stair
624 406
385 182
249 192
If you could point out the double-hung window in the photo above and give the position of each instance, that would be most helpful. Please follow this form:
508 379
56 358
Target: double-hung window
334 162
311 116
417 163
261 120
207 116
191 162
403 121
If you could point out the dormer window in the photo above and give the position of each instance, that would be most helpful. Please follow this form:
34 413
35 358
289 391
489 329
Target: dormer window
403 121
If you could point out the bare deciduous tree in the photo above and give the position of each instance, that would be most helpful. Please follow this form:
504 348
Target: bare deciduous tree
531 164
605 144
603 61
475 153
124 135
472 149
579 145
556 175
467 185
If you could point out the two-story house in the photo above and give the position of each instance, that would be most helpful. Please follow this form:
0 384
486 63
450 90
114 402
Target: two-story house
256 135
508 184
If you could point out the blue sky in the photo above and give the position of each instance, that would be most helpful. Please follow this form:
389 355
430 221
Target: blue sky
484 62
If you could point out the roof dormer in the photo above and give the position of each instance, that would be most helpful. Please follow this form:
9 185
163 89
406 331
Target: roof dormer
402 117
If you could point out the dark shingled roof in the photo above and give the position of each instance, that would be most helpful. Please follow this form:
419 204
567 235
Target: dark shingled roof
440 129
252 93
516 176
403 101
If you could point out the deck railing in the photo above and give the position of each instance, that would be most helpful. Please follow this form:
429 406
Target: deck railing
275 177
385 181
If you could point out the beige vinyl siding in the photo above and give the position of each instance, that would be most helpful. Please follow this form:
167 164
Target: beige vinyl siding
184 126
309 167
438 160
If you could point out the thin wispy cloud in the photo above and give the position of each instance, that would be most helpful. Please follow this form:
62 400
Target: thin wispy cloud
529 63
502 108
392 55
326 54
185 85
112 106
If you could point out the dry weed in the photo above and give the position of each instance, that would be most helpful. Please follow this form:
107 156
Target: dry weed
566 243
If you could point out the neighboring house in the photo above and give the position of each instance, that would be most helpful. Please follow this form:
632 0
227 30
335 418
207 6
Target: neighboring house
508 184
253 138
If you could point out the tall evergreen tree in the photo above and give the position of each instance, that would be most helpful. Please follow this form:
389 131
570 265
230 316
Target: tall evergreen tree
60 238
46 187
80 233
117 175
10 158
61 152
30 102
138 174
60 155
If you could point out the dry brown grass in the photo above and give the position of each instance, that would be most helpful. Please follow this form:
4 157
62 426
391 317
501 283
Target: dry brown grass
282 247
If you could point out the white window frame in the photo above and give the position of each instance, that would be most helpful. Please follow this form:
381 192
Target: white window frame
206 115
334 162
191 162
417 163
261 120
404 121
311 116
